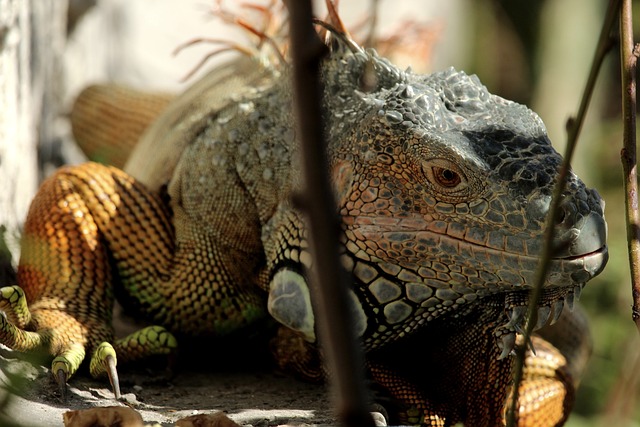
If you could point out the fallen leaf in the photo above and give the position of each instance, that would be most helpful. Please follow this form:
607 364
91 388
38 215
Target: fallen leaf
109 416
218 419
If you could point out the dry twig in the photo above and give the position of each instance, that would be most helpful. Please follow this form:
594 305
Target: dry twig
628 58
341 350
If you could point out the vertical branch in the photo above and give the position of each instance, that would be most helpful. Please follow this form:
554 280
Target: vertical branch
574 125
338 340
628 57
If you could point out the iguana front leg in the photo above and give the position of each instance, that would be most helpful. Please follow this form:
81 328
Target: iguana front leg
63 306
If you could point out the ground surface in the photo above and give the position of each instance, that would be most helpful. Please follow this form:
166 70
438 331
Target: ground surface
260 397
236 376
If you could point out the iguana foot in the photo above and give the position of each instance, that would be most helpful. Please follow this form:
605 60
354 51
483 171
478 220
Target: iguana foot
295 355
547 392
405 404
63 307
67 351
152 340
419 391
13 334
14 304
17 338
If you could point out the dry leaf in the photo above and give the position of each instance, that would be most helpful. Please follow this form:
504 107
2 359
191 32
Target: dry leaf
207 420
109 416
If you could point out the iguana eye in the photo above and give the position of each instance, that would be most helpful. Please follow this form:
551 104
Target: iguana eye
446 177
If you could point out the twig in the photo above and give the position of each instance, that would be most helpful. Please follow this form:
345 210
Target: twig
622 400
227 47
628 58
373 24
574 126
338 341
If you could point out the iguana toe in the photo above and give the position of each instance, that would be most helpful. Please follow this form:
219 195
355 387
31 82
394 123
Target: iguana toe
152 340
14 304
17 338
104 361
66 364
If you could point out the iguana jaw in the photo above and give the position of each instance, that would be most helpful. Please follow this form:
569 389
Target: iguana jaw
407 276
501 269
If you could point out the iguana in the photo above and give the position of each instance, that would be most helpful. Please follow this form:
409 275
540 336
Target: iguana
443 191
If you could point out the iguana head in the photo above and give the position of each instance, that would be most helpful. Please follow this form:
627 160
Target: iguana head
444 190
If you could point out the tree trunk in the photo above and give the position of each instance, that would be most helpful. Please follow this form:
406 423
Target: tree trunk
32 37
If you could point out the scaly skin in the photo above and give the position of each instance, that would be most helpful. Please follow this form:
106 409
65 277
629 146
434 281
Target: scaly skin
443 190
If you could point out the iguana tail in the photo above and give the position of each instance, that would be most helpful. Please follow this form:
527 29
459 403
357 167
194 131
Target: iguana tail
107 120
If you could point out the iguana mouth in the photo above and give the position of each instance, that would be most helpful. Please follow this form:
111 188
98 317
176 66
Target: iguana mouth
593 262
508 269
598 253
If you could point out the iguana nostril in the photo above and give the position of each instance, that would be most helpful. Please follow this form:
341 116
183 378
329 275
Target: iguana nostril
560 216
587 235
567 215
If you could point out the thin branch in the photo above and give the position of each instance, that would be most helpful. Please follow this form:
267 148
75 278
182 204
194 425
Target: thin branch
338 340
628 58
574 126
373 24
227 47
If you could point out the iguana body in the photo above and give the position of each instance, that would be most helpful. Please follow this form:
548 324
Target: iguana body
443 190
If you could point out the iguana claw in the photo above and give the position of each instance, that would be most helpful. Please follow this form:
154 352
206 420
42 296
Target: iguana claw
112 373
61 379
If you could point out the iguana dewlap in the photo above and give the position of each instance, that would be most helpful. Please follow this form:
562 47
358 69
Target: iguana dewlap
443 190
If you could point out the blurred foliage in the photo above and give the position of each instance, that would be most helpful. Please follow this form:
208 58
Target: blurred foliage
12 385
